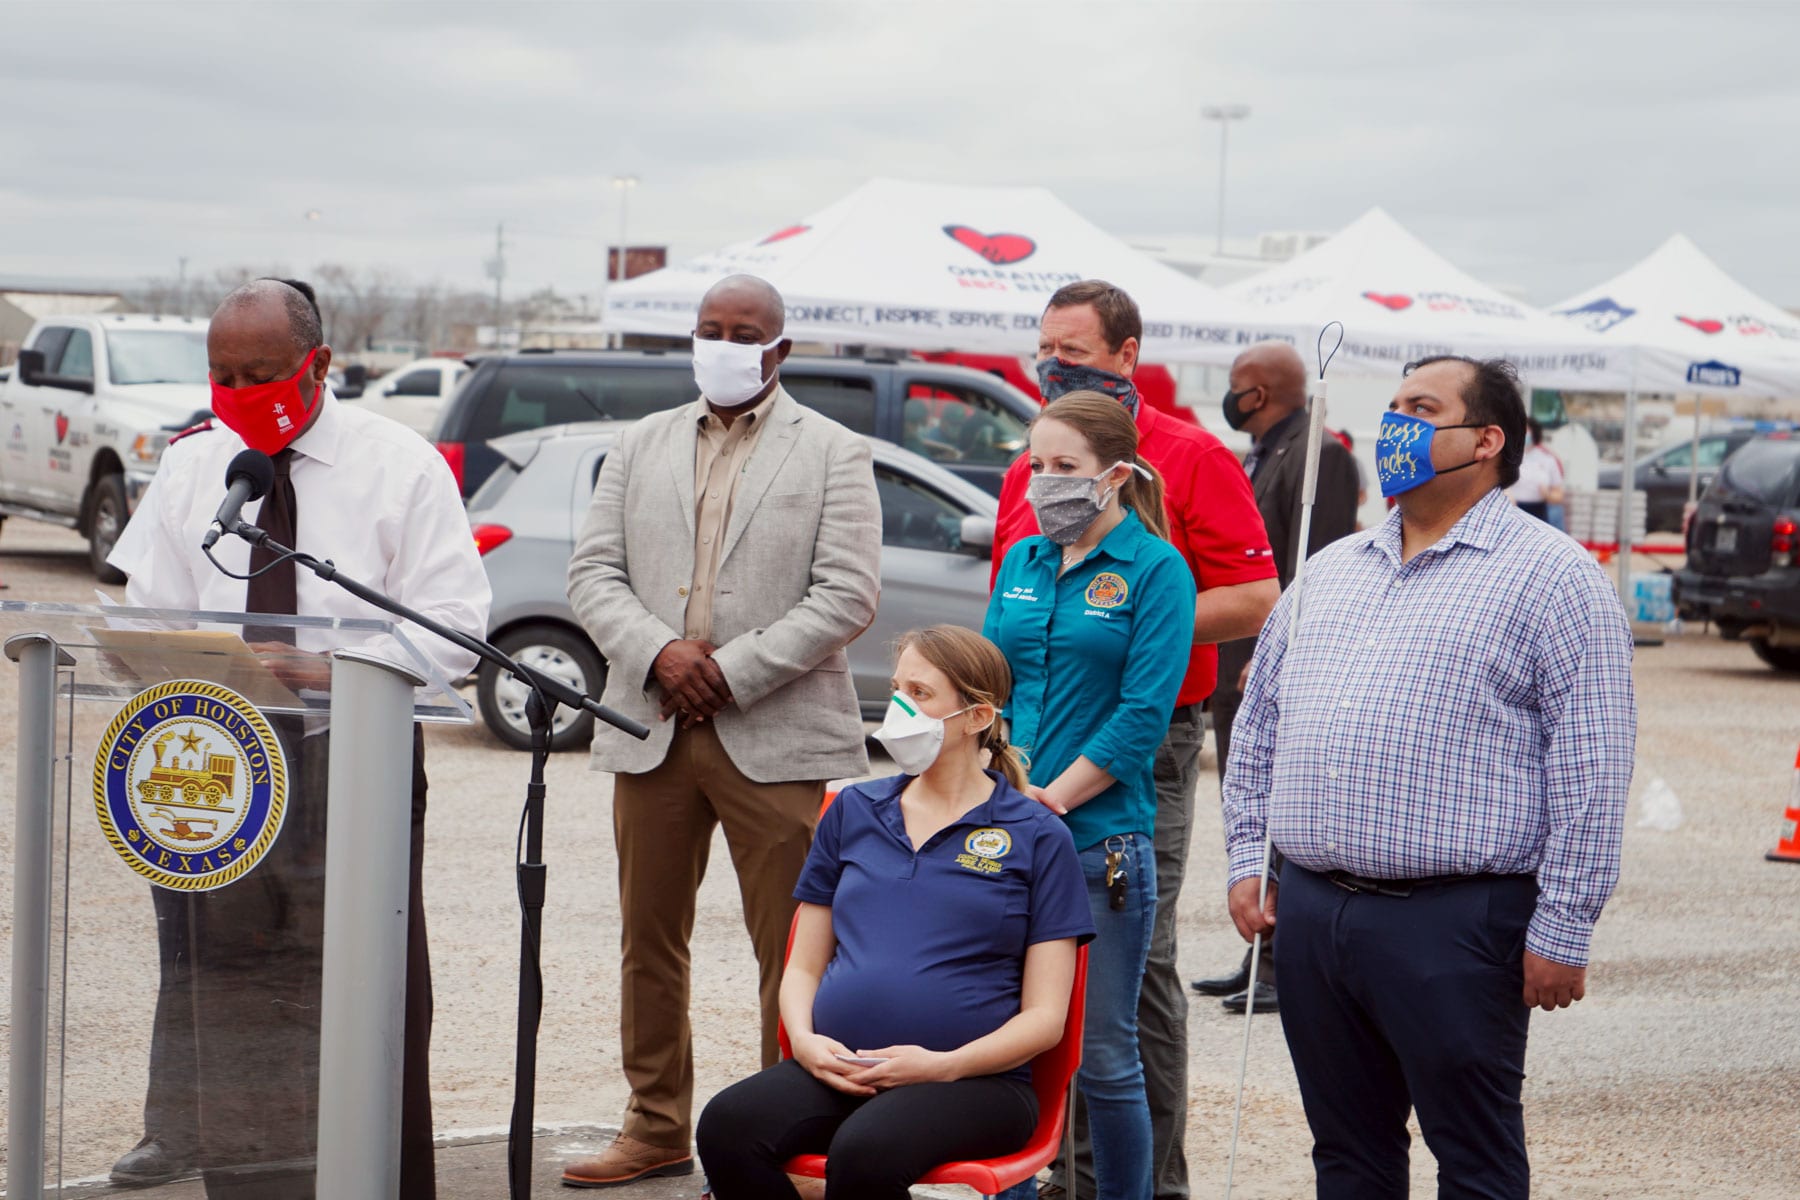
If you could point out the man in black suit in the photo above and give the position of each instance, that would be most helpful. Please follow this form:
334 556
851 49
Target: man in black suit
1268 400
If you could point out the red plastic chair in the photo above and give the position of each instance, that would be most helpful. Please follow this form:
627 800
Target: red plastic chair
1052 1078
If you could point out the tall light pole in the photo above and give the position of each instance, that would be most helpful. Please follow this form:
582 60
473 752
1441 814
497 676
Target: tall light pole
1224 114
623 184
496 270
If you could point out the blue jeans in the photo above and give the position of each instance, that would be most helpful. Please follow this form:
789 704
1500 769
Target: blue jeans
1111 1076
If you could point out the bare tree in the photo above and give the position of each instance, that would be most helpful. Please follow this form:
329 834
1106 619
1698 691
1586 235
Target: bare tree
421 316
357 304
360 305
545 305
160 297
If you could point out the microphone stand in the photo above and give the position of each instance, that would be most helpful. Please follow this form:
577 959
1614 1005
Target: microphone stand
540 710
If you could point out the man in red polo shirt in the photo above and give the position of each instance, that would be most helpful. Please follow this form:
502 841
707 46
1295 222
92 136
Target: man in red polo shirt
1088 341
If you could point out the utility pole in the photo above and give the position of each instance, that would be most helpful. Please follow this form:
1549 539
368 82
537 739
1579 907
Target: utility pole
181 286
496 269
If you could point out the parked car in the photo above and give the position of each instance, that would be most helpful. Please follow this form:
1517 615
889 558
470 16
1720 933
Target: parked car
971 422
86 416
347 383
1663 475
937 532
1741 547
415 394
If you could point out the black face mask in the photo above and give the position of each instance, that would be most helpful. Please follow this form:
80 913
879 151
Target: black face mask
1235 416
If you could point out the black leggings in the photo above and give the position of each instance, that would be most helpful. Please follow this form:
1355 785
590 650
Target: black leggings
877 1146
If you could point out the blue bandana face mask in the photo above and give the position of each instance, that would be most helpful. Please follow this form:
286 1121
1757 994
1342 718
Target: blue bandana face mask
1403 452
1057 378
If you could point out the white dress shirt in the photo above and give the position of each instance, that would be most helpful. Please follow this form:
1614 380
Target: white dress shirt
372 496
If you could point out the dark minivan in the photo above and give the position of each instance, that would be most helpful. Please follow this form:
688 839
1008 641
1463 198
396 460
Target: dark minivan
1741 547
971 422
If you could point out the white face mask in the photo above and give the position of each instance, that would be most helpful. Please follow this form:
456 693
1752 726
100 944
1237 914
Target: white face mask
912 739
729 373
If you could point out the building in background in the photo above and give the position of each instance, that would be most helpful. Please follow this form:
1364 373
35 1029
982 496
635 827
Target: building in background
1193 254
21 308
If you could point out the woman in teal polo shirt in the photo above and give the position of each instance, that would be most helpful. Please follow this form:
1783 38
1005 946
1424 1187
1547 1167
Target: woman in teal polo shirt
1096 618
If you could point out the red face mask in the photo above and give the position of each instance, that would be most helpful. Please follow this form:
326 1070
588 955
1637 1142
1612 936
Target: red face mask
268 416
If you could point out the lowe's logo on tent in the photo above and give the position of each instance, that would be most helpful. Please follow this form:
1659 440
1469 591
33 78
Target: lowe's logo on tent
1599 315
1714 374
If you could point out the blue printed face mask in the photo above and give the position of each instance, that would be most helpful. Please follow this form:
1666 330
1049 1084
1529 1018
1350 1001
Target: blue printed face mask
1403 452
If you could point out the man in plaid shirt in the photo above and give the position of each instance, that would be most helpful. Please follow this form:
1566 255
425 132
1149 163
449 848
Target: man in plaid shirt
1443 758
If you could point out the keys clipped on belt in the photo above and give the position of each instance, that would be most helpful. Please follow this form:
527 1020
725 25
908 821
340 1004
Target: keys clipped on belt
1116 874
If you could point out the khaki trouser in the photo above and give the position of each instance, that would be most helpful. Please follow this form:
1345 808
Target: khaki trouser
663 824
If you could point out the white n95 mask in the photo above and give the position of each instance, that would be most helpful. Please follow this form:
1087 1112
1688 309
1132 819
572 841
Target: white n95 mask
729 373
912 739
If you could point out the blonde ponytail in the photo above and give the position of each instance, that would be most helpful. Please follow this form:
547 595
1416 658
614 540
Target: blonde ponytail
1143 495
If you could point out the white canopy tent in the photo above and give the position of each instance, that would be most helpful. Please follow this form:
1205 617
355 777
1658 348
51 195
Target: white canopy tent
936 267
1399 300
1690 329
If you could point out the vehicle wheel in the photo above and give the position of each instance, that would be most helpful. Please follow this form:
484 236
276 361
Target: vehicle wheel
558 652
1782 658
106 521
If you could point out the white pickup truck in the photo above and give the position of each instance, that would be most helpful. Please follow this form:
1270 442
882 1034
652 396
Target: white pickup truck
86 414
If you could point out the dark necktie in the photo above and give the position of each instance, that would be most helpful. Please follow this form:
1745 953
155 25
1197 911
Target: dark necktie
274 590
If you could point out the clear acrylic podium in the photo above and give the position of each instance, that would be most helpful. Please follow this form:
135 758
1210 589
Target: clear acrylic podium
143 943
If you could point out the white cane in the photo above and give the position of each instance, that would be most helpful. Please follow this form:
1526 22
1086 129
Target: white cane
1309 486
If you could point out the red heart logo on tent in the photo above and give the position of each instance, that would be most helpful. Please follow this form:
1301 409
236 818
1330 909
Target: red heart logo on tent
62 428
1703 324
1394 303
783 235
1001 249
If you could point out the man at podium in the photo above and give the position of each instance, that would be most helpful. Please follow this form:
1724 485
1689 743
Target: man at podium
234 1063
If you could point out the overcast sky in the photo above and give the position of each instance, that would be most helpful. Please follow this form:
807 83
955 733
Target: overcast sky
1543 147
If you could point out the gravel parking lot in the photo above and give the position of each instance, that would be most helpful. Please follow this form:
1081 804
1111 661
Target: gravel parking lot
1679 1076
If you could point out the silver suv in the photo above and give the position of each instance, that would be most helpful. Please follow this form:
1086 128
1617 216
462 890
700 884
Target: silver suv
937 532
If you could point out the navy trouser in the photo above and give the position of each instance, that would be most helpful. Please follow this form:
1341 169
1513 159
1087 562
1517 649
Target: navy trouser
1391 1004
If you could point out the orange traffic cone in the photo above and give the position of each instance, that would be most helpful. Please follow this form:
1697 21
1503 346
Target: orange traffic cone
1787 849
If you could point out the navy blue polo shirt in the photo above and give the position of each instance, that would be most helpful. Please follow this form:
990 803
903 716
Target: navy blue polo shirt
931 944
1097 658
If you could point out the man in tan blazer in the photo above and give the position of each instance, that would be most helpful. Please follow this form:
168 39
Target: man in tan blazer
731 552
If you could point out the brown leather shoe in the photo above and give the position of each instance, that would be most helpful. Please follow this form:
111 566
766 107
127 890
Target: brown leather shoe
627 1160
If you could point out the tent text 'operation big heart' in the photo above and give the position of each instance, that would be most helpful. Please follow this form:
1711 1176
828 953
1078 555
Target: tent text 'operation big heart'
1395 303
1001 249
1703 324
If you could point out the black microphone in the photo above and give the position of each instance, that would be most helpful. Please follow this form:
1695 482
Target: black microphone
248 478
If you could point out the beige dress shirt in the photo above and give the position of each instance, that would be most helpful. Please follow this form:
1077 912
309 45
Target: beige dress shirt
719 457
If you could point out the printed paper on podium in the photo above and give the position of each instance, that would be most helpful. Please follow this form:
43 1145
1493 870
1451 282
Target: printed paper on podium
216 655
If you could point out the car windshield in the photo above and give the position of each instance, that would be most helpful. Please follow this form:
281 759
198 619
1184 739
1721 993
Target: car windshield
156 355
1765 469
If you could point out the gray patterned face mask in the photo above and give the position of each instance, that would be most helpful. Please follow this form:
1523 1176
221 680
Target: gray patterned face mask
1067 505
